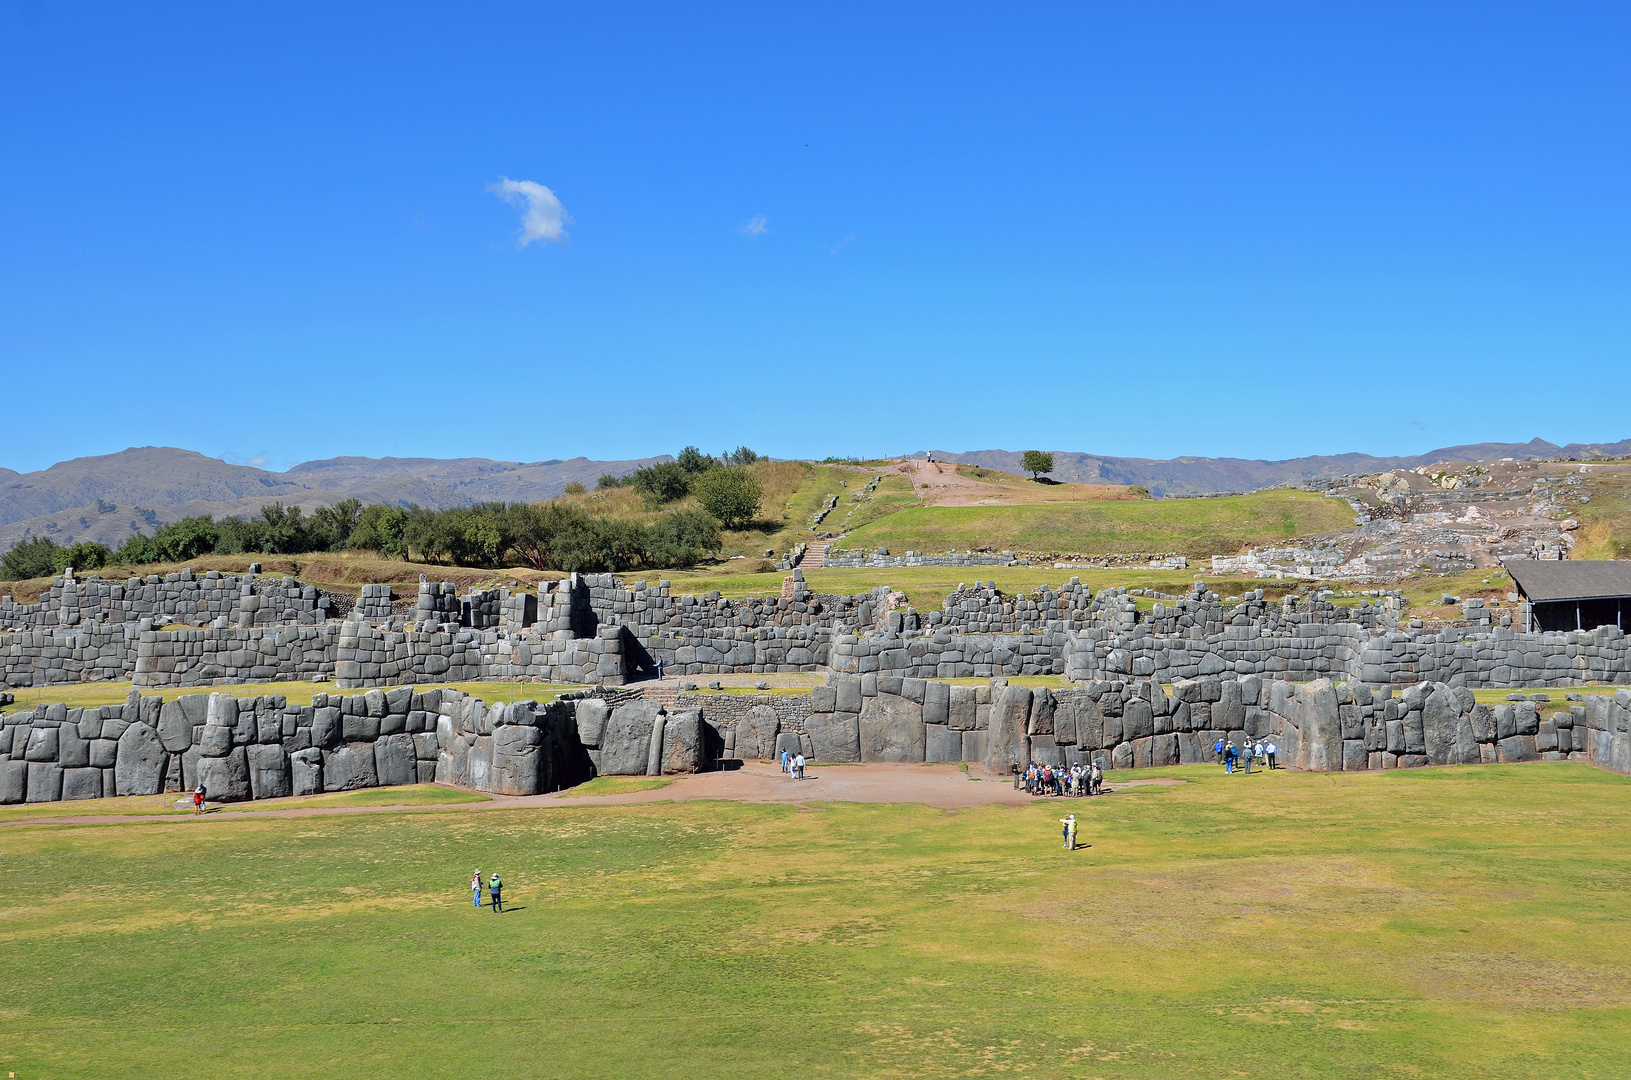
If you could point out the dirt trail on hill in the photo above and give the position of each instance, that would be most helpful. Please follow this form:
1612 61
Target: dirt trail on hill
938 483
942 786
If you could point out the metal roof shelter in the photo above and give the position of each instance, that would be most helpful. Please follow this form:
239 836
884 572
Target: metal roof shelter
1573 594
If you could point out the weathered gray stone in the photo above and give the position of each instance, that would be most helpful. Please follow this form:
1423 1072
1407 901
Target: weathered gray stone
937 705
350 767
42 746
175 730
1042 708
268 771
1439 714
756 732
140 765
215 740
1321 730
1137 720
1006 741
394 757
1517 748
891 729
823 699
684 743
942 743
961 708
848 689
225 779
517 760
73 751
836 736
306 768
13 781
81 783
592 714
626 744
44 781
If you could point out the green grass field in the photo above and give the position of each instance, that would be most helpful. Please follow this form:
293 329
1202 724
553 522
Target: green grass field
1194 527
1469 922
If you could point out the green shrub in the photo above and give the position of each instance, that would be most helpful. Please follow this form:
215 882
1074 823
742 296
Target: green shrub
32 558
731 495
575 488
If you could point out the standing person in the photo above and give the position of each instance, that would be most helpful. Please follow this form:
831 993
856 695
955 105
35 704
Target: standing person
1014 768
475 887
1229 758
1270 752
1098 779
1069 823
783 758
798 767
494 894
1218 749
1246 755
198 798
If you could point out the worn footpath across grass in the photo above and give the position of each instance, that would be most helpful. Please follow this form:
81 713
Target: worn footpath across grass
1454 922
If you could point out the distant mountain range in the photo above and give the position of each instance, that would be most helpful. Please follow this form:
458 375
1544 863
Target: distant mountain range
1200 475
107 498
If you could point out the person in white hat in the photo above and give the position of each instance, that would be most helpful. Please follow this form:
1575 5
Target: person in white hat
1069 822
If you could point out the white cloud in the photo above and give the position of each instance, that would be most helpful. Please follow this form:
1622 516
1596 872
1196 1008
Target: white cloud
543 217
757 225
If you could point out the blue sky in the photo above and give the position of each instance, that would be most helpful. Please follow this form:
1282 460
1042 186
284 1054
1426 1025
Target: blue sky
270 232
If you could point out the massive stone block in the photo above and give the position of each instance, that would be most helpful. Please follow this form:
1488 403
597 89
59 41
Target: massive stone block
517 752
81 783
13 781
756 732
140 765
1042 708
325 728
350 767
44 781
942 743
268 771
625 748
891 729
1006 741
835 736
684 742
225 779
175 729
1321 729
394 757
1439 716
306 769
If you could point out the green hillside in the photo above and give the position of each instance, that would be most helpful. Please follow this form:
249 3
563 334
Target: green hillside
1194 527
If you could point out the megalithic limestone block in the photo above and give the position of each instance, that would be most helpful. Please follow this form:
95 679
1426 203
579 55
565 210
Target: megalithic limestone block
138 769
1321 728
1006 741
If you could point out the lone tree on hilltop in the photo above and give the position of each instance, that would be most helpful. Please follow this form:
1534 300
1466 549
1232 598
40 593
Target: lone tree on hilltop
732 495
1036 463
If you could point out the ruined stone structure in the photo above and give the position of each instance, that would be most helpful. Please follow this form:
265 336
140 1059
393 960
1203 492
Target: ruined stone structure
598 629
264 747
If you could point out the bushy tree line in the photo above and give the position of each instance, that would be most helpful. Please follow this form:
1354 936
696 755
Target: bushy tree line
723 486
546 536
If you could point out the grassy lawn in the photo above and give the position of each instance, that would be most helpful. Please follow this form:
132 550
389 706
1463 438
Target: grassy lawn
1193 527
407 795
1605 522
86 695
1469 922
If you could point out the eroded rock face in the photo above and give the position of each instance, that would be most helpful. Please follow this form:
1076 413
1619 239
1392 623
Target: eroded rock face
756 732
835 736
592 714
891 729
306 771
1006 741
394 761
139 766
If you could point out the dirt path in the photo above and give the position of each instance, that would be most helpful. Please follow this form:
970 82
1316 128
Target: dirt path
942 786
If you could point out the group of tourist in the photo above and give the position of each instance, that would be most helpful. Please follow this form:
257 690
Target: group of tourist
495 891
1233 757
793 764
1050 780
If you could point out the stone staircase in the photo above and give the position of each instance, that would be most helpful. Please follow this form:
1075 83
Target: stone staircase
815 555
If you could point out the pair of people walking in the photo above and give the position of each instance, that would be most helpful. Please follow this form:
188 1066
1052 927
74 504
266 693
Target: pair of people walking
495 891
1069 823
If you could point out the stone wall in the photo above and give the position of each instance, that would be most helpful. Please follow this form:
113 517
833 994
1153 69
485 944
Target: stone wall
856 559
182 597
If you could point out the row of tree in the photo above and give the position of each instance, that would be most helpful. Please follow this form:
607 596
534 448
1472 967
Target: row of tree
724 486
545 536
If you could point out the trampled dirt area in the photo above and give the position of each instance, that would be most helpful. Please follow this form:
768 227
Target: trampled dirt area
942 483
942 786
